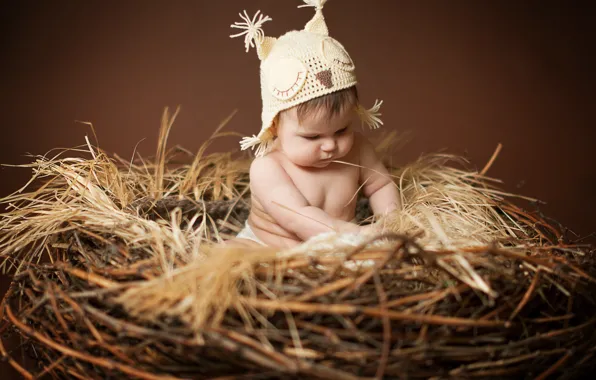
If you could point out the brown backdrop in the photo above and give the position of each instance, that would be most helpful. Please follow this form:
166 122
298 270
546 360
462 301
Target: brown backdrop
461 75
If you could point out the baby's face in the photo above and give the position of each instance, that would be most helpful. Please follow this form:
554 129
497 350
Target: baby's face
317 140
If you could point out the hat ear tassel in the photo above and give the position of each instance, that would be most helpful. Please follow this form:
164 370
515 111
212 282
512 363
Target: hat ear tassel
370 117
263 146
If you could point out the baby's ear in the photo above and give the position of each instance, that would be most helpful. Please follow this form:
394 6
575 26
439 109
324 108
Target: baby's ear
273 129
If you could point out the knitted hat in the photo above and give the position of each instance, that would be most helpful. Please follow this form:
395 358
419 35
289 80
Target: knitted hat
299 66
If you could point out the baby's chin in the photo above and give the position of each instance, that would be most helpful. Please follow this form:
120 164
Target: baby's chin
319 164
309 164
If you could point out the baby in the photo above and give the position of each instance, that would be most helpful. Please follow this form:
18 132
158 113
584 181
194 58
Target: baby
310 162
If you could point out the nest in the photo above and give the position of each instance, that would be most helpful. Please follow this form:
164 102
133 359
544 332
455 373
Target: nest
118 273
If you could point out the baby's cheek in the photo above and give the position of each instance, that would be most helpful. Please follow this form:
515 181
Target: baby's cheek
312 151
347 142
304 151
297 146
308 153
307 147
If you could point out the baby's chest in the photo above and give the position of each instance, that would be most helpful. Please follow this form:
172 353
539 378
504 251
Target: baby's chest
332 190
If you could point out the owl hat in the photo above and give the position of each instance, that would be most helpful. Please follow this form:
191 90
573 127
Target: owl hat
296 67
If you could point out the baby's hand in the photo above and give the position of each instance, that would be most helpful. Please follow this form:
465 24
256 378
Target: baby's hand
353 228
348 227
370 229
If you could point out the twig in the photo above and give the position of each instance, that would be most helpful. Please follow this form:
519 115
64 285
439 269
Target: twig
366 276
92 277
342 309
334 286
492 159
75 354
554 367
13 363
386 328
527 295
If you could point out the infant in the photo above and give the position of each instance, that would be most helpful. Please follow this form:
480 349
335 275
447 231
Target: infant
310 162
307 184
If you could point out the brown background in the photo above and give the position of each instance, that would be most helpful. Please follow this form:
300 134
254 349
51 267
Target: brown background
460 75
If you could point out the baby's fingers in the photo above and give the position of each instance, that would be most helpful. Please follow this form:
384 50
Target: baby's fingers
370 229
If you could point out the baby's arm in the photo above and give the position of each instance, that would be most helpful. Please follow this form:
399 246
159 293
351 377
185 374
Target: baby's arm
281 199
378 187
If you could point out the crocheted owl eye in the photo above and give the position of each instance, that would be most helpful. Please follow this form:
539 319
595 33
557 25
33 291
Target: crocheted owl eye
286 77
336 55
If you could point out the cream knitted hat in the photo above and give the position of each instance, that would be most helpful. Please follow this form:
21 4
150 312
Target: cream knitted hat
297 67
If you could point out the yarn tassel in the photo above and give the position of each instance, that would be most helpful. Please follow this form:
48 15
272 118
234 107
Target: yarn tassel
252 28
318 4
252 142
371 117
249 142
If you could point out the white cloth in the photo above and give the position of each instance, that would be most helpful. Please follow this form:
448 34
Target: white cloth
247 233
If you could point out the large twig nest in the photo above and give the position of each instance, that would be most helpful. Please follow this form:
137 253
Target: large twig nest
116 274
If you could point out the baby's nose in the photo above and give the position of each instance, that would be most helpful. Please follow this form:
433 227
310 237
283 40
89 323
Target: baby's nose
328 145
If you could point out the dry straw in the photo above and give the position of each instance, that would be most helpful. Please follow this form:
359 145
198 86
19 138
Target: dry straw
116 274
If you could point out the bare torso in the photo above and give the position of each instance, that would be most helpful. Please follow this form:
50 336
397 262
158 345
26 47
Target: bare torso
332 189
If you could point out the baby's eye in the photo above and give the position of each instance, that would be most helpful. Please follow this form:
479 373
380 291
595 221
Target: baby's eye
341 131
311 137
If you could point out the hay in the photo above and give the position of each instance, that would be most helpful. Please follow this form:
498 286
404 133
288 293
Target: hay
116 274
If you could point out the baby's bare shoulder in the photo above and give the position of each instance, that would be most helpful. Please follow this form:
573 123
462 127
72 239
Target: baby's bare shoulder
267 170
268 162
